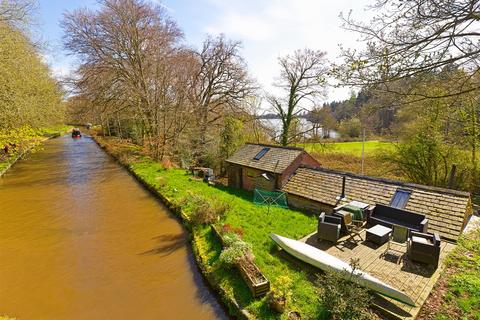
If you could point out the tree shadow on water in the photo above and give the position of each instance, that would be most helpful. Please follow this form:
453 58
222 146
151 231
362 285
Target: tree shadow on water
166 244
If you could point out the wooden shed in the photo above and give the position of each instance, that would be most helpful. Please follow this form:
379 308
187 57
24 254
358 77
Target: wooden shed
265 166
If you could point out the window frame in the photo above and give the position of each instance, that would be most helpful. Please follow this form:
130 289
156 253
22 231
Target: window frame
261 153
404 195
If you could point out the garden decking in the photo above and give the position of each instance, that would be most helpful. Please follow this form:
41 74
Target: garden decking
415 279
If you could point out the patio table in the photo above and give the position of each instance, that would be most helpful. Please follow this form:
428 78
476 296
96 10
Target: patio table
378 234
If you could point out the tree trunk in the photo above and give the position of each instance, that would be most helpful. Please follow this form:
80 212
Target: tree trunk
474 148
285 132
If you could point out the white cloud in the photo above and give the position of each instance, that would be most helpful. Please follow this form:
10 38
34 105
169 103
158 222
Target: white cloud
269 29
164 6
60 66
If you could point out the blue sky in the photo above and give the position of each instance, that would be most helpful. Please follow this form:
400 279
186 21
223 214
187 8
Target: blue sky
267 29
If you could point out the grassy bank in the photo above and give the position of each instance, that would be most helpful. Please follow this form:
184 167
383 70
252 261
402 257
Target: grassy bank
256 222
457 294
32 140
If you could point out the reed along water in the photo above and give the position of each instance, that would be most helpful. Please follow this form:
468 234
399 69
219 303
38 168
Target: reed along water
81 239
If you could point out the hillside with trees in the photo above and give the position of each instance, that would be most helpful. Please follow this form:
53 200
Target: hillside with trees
30 98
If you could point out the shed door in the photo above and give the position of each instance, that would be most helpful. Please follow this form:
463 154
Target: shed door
235 177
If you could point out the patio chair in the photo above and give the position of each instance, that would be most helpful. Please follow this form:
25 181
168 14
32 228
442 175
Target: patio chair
328 227
353 227
425 248
398 240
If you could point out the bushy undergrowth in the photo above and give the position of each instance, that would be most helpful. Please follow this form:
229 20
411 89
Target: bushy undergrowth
22 139
343 297
206 211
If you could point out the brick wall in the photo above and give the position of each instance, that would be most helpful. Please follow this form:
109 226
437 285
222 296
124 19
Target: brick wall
304 159
248 178
309 160
262 183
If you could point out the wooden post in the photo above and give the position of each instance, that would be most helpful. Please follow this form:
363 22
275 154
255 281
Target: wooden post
363 151
277 176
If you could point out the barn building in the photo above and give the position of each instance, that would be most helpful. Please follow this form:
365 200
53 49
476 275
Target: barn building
265 166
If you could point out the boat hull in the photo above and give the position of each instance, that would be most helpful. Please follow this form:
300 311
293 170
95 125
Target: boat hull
329 263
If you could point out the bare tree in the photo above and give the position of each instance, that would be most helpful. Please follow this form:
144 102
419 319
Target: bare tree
133 67
303 80
16 12
221 83
411 40
139 77
173 111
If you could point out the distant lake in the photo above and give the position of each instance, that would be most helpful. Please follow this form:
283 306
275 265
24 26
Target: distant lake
276 126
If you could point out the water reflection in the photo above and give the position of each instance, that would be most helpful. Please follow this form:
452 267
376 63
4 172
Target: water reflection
80 239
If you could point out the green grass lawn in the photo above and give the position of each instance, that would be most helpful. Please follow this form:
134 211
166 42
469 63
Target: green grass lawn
457 294
352 148
53 130
257 223
346 156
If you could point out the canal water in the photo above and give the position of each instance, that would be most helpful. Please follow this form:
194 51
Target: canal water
81 239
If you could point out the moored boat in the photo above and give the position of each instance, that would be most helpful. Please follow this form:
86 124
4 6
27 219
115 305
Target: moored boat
329 263
76 134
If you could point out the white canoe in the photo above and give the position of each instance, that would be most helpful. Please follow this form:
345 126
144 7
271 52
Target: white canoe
329 263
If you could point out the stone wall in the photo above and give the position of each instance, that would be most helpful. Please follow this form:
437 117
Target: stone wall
307 205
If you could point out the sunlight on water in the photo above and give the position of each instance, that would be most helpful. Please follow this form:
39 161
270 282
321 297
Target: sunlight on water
80 239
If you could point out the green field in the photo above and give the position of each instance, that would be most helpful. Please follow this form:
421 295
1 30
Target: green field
353 148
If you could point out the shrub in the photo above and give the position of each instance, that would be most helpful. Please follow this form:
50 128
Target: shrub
167 163
235 249
279 297
426 158
342 296
205 211
283 287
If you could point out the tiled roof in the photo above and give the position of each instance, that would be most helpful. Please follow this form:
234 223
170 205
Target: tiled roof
446 209
276 160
